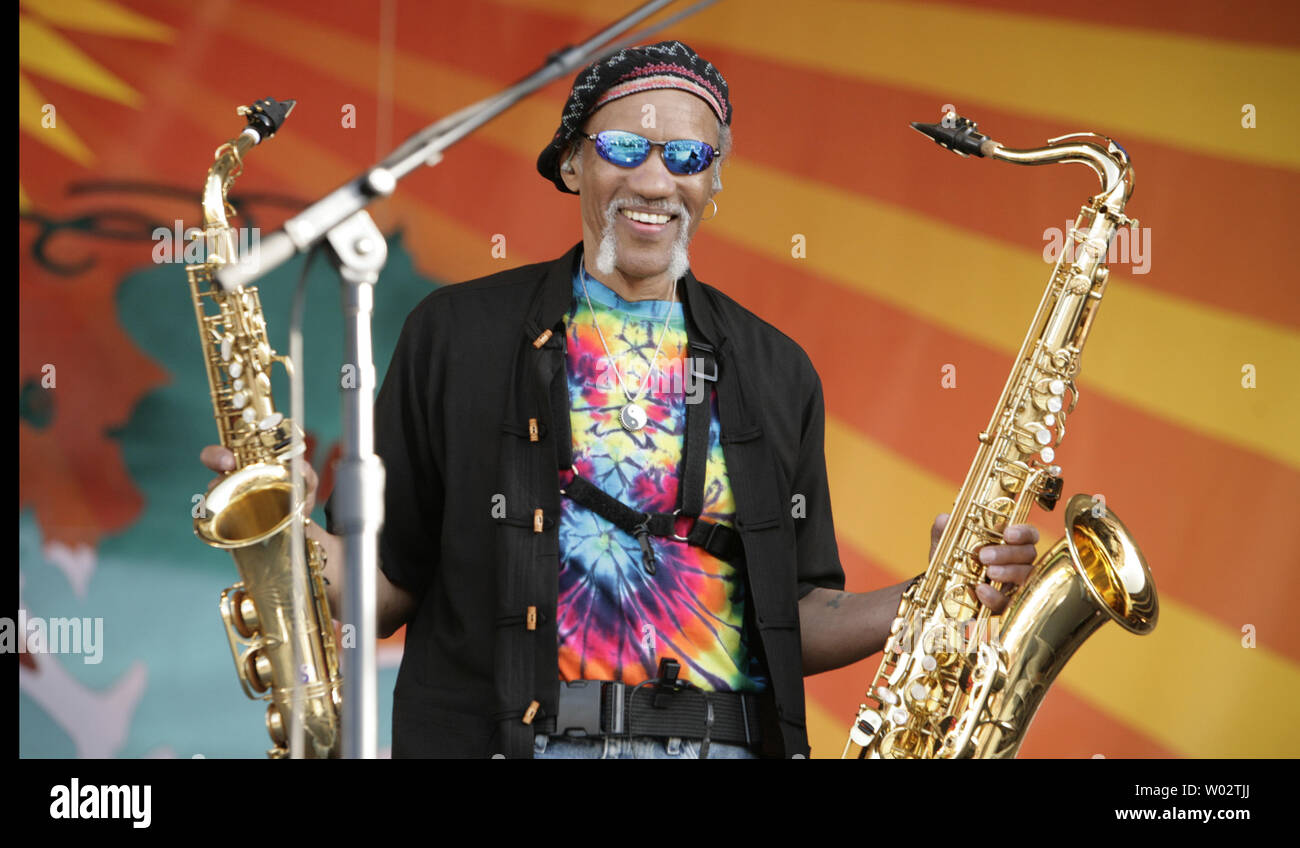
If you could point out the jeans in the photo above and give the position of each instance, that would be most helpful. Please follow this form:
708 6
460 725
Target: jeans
635 748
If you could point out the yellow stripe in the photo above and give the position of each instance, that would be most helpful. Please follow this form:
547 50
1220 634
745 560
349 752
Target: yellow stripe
1182 90
43 51
61 137
100 16
1170 357
1189 685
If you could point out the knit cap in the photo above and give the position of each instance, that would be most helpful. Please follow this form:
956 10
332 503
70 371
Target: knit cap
668 64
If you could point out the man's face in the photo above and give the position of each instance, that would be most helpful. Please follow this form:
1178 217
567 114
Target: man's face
608 192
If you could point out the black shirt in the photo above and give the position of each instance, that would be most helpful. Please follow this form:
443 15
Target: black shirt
452 427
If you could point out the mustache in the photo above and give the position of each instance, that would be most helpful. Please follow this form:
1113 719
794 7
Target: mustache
661 205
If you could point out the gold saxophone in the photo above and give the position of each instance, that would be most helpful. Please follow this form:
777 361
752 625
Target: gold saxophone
283 651
955 681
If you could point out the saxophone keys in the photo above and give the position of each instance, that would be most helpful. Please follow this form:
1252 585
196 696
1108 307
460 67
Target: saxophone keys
1048 394
904 743
276 730
994 514
258 671
1039 433
865 727
244 616
960 603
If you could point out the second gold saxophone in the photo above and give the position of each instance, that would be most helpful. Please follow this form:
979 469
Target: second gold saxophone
284 649
956 681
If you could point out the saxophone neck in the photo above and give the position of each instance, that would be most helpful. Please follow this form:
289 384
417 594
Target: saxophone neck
265 117
1108 160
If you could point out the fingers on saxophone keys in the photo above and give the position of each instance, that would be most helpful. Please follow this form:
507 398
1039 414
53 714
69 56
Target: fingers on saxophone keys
217 458
1007 554
1019 534
991 598
1016 574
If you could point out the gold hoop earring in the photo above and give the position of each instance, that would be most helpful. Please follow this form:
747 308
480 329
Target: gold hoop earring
715 211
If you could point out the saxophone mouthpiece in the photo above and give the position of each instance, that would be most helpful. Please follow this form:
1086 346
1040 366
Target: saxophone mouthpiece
958 134
267 115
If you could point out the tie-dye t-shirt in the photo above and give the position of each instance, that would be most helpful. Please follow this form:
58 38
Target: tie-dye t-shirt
615 621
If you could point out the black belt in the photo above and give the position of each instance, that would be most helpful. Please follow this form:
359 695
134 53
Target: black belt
601 708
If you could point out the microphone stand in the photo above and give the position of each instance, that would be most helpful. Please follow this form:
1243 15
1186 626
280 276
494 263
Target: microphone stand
358 251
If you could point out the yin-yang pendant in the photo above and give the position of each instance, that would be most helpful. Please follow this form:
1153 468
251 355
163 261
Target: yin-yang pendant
632 417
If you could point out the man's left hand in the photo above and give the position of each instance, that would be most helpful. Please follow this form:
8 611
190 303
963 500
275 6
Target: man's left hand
1009 562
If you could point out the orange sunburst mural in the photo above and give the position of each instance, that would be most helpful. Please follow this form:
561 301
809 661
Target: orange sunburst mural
915 262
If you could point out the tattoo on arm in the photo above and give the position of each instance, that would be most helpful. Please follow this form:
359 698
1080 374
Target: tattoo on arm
835 601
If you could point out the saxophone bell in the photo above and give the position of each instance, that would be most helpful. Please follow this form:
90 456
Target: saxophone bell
1094 574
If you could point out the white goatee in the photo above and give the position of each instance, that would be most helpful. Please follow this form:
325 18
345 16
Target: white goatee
607 251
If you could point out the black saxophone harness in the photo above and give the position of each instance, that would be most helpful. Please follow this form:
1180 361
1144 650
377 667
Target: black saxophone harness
716 539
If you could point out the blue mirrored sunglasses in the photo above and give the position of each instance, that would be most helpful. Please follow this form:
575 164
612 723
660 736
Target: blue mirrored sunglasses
627 150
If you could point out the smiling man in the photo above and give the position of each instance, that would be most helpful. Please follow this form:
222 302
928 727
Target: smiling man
607 522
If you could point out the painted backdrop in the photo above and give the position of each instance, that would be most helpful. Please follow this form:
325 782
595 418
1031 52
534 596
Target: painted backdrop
908 274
